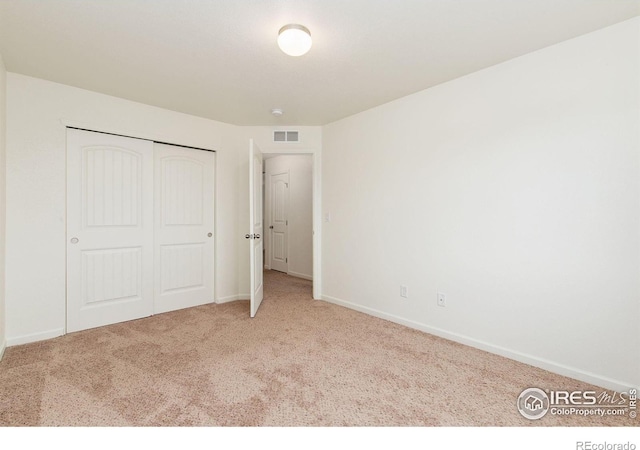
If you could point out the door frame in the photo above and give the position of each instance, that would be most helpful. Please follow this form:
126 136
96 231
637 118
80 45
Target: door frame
316 220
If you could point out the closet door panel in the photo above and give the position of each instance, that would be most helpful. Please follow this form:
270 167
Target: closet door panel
184 196
109 229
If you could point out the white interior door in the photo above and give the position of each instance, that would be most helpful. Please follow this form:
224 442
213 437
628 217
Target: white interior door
255 230
279 221
109 229
184 195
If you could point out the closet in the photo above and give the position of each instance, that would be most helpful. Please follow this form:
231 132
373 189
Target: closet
140 218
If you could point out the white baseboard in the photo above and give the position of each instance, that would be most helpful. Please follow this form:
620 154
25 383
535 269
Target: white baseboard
232 298
300 275
551 366
3 346
35 337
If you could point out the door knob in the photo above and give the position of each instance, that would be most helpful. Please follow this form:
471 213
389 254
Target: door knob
247 236
257 236
74 240
209 234
271 227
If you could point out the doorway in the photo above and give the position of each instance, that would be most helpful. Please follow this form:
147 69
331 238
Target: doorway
288 213
287 209
256 223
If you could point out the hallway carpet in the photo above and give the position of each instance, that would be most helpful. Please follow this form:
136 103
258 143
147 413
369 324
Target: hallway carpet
300 362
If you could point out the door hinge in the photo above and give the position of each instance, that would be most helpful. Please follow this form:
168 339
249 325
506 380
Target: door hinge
286 222
286 260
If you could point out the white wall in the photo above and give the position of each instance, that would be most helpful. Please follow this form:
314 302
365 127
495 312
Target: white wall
310 143
35 254
515 191
300 238
3 95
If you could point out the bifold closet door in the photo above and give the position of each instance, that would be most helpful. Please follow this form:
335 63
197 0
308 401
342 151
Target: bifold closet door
184 195
109 229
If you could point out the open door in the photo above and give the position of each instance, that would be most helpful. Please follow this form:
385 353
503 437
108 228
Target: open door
255 230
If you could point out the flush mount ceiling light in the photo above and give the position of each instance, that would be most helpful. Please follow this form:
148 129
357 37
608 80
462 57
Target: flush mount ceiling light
294 39
276 112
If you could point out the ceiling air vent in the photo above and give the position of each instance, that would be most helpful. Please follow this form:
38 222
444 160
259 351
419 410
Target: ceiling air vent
285 136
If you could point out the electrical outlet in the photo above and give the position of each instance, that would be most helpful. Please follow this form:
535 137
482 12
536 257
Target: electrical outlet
442 299
404 291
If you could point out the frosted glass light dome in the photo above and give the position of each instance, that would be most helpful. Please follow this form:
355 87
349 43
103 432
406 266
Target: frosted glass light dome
294 39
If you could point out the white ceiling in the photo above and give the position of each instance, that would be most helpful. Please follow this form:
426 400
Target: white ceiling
219 59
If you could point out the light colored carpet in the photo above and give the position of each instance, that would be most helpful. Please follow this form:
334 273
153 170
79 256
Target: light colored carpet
300 362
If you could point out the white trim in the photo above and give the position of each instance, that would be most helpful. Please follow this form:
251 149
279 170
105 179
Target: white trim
300 275
232 298
317 225
3 346
287 219
551 366
35 337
